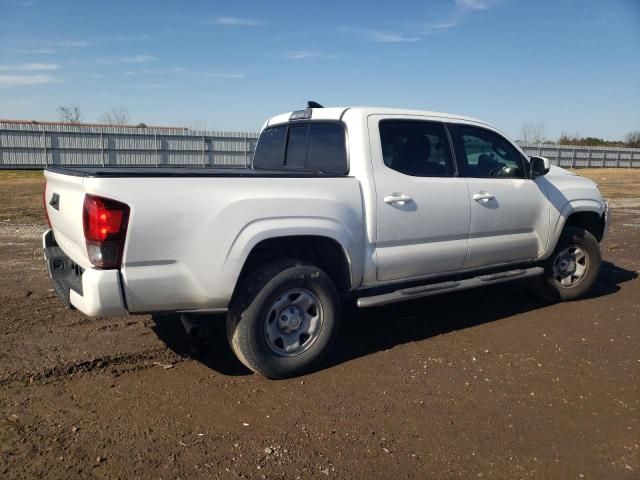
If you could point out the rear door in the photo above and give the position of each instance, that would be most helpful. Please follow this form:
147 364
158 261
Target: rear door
422 209
509 211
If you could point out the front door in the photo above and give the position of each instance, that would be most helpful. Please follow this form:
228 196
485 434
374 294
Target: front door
509 211
422 208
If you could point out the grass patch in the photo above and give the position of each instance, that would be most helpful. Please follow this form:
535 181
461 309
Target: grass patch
13 174
21 196
614 183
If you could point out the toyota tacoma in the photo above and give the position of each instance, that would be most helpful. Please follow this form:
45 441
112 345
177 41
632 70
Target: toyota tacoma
373 205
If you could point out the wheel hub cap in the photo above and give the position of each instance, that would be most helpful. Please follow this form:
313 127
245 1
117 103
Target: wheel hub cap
293 322
290 319
570 266
567 265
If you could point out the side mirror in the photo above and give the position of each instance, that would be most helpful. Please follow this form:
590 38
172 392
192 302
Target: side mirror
539 166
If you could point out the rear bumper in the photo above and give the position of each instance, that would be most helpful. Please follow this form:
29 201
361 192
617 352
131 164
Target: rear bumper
94 292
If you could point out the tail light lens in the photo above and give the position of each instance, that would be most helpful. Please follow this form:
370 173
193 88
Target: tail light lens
44 202
105 230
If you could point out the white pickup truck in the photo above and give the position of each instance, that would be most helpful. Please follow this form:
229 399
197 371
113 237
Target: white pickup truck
376 205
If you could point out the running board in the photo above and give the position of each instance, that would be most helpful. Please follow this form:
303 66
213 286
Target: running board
445 287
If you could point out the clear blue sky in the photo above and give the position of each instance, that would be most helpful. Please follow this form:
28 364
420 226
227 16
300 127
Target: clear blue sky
574 65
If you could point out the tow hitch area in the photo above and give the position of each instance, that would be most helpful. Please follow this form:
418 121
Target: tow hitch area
64 273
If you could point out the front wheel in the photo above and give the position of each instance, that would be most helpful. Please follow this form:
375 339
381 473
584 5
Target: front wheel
573 267
284 318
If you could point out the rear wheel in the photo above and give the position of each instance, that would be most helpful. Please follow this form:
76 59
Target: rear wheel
573 268
284 318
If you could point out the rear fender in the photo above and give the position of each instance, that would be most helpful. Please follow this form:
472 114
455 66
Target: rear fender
276 227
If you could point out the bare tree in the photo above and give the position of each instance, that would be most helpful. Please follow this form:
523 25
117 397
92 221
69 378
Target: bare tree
70 113
116 116
532 132
632 139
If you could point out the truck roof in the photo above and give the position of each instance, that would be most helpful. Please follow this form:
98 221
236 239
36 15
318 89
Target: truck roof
336 113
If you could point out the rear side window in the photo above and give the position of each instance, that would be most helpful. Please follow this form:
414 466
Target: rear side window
327 148
417 148
312 147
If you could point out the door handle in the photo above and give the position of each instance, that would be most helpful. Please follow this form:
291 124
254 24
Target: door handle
399 198
480 196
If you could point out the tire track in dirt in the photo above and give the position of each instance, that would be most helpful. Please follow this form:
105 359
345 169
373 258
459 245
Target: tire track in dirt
114 365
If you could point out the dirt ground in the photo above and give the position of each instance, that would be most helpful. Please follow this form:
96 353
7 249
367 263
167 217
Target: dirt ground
489 383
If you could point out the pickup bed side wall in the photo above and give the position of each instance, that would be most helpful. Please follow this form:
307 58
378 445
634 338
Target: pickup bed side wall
188 238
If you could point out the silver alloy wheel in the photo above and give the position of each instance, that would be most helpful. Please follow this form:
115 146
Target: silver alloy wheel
570 266
293 322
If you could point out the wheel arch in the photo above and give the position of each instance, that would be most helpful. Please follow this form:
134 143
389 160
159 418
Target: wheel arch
324 252
587 214
588 220
319 240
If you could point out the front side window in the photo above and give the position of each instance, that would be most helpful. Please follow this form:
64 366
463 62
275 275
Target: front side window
416 148
482 153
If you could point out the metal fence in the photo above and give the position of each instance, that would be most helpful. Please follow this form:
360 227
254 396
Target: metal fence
576 156
25 145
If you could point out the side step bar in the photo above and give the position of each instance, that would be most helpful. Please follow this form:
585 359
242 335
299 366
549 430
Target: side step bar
446 287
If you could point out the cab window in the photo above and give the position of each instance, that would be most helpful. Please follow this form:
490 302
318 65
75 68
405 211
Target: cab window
270 149
307 147
482 153
417 148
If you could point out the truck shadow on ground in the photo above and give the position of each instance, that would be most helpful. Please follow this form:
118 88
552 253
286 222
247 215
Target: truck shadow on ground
365 332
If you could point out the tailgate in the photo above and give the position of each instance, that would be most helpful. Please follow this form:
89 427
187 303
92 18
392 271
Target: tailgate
63 200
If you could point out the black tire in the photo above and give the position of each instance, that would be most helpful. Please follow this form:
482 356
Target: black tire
247 319
548 286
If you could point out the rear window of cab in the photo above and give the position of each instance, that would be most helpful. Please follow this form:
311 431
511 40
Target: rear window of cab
309 147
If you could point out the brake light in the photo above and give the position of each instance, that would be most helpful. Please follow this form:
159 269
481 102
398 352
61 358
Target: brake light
105 229
44 202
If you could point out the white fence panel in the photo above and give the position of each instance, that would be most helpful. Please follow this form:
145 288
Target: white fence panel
581 156
26 145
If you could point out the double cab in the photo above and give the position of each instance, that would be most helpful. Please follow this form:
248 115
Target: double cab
371 205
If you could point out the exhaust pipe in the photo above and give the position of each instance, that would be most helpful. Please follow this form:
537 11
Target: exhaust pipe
193 330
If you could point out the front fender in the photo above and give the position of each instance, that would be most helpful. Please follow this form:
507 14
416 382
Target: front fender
569 208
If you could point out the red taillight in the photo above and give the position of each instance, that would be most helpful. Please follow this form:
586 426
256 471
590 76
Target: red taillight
44 202
105 230
102 218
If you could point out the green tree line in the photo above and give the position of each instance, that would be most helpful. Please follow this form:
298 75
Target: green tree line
631 139
533 132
